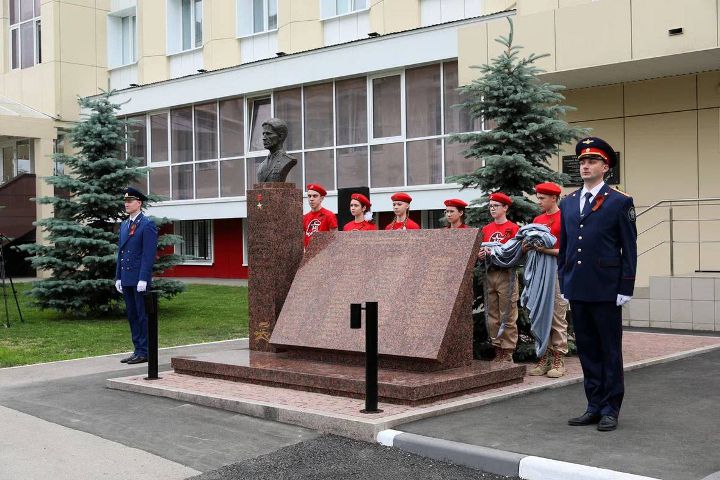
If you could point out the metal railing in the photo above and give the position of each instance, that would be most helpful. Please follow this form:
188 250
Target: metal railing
671 220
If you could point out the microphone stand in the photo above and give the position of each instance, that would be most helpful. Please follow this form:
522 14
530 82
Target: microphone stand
3 276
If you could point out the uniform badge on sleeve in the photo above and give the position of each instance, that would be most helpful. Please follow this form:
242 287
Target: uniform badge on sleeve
631 214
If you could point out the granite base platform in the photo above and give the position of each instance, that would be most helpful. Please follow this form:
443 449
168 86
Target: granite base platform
394 386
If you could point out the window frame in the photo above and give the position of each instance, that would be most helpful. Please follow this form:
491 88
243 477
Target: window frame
211 239
36 22
332 11
240 14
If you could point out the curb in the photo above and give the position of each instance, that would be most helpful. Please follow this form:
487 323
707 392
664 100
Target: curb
499 462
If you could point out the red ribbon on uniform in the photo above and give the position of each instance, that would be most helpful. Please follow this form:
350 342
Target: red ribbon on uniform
598 203
132 229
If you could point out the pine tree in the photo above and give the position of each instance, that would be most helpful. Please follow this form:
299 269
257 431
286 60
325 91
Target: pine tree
529 129
82 235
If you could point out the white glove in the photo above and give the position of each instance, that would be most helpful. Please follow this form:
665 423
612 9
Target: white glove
622 300
142 286
563 297
118 286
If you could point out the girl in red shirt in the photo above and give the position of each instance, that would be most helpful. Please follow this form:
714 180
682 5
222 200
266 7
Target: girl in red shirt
401 206
359 206
455 212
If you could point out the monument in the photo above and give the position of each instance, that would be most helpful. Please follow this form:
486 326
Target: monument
275 235
422 283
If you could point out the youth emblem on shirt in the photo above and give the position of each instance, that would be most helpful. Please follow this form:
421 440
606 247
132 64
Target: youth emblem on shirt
497 237
312 227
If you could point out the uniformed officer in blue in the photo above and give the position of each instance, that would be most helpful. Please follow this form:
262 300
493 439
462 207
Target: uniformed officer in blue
596 268
136 255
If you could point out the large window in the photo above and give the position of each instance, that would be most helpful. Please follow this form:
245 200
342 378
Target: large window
256 16
386 132
185 25
122 38
331 8
197 240
25 38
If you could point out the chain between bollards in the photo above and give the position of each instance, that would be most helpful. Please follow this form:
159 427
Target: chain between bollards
371 351
151 309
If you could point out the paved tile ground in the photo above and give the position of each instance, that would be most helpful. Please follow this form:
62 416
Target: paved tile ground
638 349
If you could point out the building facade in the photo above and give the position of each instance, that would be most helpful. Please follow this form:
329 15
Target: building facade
368 87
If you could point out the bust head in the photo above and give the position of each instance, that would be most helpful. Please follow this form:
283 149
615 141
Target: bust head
274 133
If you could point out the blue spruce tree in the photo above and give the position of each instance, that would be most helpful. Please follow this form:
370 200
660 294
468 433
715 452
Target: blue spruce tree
82 237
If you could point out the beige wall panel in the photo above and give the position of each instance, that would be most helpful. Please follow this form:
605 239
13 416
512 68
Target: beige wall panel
576 49
221 14
686 249
710 237
709 152
152 28
536 33
75 80
79 3
77 43
495 6
102 78
399 15
152 69
377 18
661 95
101 38
472 50
301 10
653 247
528 7
50 19
574 3
595 103
652 19
33 87
304 36
708 85
656 168
221 53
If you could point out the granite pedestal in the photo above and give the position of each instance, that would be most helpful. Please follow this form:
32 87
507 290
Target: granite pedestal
422 281
275 249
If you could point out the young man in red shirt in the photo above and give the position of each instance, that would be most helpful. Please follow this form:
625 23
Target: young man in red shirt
501 284
318 219
552 363
401 208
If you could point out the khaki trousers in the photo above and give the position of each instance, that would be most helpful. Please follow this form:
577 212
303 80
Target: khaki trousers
502 306
559 328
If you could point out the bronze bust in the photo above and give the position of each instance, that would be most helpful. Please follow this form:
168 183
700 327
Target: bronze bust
277 165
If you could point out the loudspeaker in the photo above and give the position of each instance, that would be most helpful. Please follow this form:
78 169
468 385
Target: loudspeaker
343 213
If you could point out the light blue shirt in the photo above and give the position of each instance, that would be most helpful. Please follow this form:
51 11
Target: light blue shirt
593 193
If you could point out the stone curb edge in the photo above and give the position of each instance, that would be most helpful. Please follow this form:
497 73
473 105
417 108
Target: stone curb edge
499 462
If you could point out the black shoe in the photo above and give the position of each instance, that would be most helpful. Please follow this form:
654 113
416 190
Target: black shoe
608 423
137 359
126 359
586 418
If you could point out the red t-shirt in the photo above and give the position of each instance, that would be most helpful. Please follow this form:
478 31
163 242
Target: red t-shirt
407 225
493 232
321 221
553 222
353 225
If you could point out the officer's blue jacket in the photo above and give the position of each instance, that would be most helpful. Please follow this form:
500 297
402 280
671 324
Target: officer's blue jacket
136 251
598 254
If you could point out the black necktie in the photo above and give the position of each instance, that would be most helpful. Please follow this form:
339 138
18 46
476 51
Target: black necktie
587 206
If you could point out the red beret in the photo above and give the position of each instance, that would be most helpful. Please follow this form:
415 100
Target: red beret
455 202
501 197
361 198
548 188
401 197
317 187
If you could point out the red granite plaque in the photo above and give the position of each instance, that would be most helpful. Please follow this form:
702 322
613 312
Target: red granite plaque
420 279
275 249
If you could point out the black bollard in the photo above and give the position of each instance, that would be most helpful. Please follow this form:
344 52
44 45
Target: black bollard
151 309
371 351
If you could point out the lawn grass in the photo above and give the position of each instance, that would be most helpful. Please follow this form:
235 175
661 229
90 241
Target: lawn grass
203 313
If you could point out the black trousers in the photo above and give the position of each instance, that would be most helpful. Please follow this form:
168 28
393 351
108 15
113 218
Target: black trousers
598 333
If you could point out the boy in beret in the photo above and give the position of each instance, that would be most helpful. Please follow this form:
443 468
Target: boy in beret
401 208
136 256
318 219
501 284
552 363
596 267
